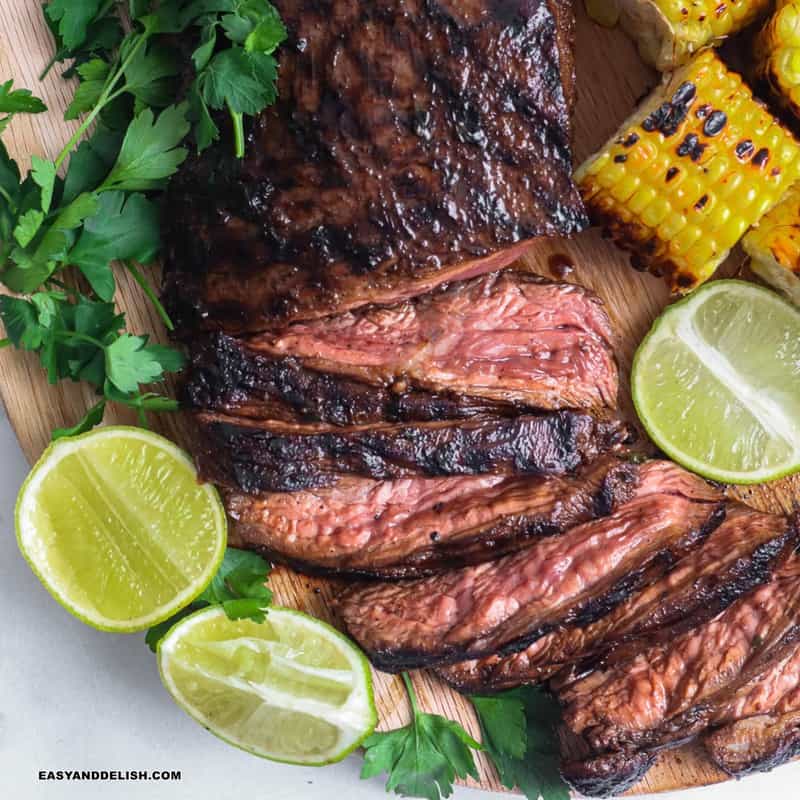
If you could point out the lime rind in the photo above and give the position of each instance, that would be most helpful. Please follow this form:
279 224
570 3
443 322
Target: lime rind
674 323
28 545
362 700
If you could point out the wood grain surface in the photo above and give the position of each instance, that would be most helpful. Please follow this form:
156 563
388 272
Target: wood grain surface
611 79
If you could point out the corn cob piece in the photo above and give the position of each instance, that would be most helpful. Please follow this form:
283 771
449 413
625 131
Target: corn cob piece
669 32
774 246
698 164
778 54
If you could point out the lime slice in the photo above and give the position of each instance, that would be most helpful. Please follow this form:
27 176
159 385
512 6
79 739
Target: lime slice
289 689
716 383
117 528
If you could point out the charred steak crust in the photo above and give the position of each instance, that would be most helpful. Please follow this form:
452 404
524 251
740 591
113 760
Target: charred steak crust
407 529
413 142
607 775
257 457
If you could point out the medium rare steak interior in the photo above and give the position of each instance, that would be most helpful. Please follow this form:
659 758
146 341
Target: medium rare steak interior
505 605
739 555
487 345
416 526
414 142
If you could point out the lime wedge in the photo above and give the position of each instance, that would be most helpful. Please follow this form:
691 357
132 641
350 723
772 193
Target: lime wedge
716 383
290 689
118 529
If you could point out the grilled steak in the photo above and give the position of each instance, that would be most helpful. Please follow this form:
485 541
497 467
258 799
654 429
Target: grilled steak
414 142
505 605
755 744
256 457
229 377
739 555
742 662
417 526
509 339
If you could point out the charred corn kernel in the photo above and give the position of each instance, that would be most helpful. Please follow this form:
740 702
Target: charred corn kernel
669 32
716 162
778 53
774 246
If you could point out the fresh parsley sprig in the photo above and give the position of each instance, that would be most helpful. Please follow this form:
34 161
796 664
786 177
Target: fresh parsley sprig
518 729
423 758
238 587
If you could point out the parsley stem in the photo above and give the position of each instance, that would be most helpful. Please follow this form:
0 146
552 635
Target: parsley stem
102 101
412 695
80 337
238 131
5 343
148 290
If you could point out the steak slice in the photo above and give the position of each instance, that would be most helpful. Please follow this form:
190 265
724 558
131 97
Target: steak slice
755 744
417 526
413 142
256 457
736 557
668 693
229 377
505 605
481 346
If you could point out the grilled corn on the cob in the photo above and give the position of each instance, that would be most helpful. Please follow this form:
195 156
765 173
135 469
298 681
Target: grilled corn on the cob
697 164
774 246
669 32
778 53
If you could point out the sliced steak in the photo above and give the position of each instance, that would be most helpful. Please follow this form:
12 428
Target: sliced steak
417 526
256 457
413 142
479 346
670 692
755 744
229 377
739 555
505 605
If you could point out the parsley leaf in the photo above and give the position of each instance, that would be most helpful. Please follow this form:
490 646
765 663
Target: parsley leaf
239 587
19 101
423 758
125 227
150 151
518 728
92 418
131 361
73 18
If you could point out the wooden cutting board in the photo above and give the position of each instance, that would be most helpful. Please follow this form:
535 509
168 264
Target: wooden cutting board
611 79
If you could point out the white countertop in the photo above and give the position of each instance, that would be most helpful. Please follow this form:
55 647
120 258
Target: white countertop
72 698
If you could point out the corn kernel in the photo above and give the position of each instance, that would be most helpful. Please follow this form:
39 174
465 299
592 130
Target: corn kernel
710 162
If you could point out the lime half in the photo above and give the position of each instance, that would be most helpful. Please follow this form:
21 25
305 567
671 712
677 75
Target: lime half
116 526
716 383
289 689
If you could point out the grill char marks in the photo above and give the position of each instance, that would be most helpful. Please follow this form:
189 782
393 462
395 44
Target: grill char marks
255 457
419 526
506 605
510 338
414 142
736 557
740 665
